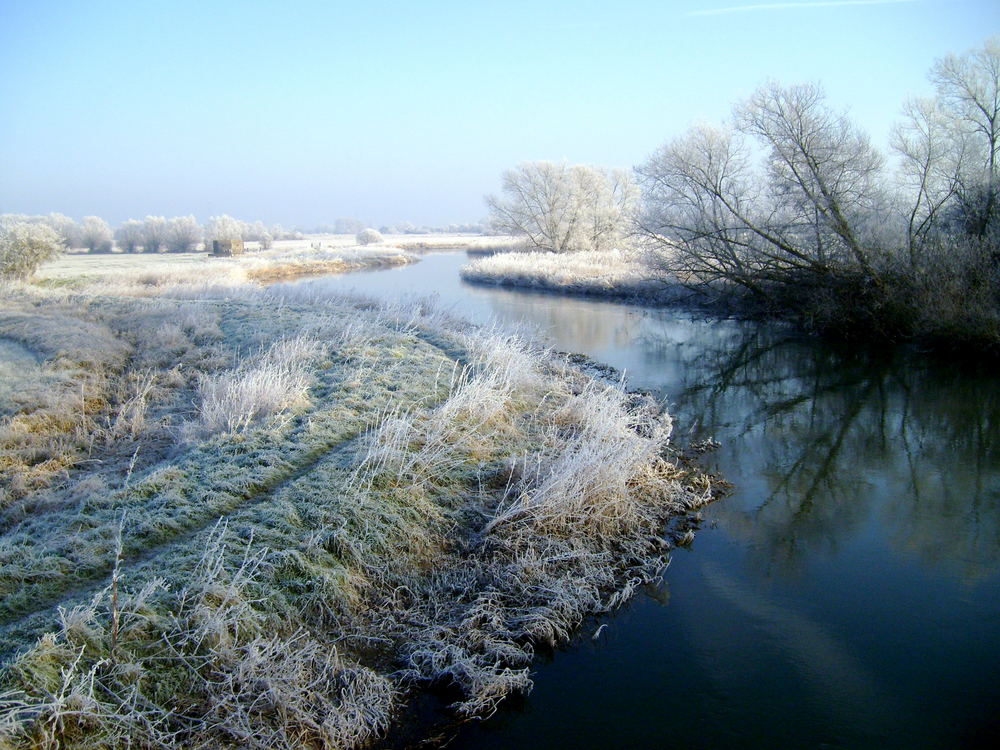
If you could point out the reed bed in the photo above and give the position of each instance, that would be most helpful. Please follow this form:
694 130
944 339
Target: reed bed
618 273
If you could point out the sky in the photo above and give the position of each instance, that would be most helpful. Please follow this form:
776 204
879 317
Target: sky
300 112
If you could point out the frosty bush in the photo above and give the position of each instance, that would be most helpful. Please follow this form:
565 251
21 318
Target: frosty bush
24 247
369 237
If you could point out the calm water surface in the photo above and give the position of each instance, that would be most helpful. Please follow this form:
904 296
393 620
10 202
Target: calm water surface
847 594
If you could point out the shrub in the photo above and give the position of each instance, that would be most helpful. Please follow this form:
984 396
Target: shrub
24 247
369 237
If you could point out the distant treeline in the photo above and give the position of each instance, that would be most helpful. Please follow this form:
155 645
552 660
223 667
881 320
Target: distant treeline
181 234
353 226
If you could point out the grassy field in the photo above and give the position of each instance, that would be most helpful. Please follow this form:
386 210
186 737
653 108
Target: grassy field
239 517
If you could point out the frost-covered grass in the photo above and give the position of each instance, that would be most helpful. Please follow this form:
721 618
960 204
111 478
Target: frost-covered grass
606 273
263 385
248 517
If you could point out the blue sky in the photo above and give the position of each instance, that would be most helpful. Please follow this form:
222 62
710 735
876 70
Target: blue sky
301 112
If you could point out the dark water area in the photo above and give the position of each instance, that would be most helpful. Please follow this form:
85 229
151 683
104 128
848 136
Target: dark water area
845 595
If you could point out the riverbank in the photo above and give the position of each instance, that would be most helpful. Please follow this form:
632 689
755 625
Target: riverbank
904 316
611 274
254 517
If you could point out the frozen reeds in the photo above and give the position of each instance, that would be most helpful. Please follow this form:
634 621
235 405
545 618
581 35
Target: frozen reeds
602 451
564 532
611 273
261 386
203 668
412 448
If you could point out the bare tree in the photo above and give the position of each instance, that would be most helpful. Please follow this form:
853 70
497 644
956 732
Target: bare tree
968 86
607 200
65 227
700 211
95 234
933 157
824 173
805 217
154 233
182 234
560 208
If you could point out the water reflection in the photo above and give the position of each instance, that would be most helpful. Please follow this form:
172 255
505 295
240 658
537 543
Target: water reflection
835 440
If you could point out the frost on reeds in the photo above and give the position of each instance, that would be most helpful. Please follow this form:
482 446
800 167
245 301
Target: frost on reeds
611 273
603 449
261 386
414 448
205 667
566 529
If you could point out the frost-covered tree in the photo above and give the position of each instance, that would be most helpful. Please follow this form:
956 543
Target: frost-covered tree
968 90
225 227
154 233
814 209
24 246
368 237
607 199
183 234
560 208
129 235
65 227
254 231
95 234
824 175
933 156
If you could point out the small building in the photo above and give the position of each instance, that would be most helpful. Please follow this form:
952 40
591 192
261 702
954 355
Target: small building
227 247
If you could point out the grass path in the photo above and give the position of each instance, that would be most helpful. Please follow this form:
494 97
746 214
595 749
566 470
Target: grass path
51 557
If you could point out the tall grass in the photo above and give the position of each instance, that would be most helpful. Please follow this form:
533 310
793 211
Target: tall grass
203 667
263 385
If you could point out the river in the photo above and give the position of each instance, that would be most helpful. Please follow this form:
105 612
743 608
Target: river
846 594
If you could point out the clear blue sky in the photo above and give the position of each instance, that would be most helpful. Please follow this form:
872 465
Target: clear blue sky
300 112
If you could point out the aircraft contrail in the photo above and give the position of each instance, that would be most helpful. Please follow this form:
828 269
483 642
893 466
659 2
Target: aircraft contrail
790 6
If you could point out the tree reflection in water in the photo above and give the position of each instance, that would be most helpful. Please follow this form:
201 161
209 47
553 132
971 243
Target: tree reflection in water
830 440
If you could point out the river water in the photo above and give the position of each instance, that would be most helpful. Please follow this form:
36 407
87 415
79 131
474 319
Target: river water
846 594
